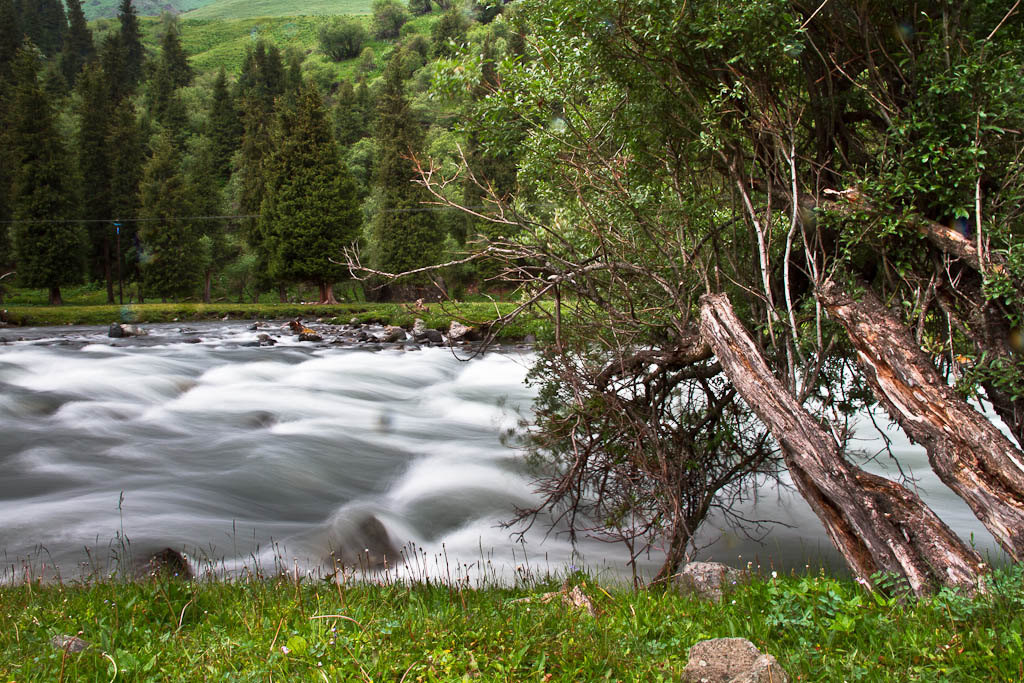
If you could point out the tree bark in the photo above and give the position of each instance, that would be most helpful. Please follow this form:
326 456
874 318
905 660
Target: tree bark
967 451
55 298
328 294
877 524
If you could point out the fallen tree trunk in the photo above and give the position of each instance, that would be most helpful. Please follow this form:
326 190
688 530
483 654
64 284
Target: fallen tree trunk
967 451
878 525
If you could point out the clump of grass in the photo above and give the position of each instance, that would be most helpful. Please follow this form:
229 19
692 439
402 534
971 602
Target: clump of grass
293 628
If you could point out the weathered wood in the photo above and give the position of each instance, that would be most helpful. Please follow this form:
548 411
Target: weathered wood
877 524
967 451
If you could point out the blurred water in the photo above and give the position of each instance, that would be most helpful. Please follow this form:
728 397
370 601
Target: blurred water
276 457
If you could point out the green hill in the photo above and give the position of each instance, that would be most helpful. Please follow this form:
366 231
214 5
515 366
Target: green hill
229 9
237 9
98 9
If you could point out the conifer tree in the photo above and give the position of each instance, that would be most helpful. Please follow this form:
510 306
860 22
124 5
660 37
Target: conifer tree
10 39
173 58
405 234
224 126
206 202
130 43
94 171
78 46
126 156
48 244
44 23
169 261
309 212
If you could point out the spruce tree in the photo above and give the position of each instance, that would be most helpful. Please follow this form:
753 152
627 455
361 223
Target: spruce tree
48 244
172 56
405 234
206 202
130 43
310 211
125 145
78 46
44 23
10 40
170 266
94 171
251 184
224 126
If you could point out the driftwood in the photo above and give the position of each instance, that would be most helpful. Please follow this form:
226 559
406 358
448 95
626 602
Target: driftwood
967 452
877 524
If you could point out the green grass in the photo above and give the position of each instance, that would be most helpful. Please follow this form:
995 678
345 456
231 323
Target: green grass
95 9
87 306
819 628
240 9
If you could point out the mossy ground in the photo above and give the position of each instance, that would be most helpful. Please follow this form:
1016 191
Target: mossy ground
820 629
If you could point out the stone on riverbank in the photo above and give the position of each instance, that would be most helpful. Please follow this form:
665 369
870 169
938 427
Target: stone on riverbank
708 579
731 660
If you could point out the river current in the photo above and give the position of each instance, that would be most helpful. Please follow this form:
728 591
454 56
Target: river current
268 459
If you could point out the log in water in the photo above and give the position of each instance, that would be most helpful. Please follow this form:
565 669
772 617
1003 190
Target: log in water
295 455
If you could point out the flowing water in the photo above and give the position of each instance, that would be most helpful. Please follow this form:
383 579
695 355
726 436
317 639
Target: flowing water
284 457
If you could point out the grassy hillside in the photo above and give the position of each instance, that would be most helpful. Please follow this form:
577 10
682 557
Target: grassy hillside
237 9
212 43
97 9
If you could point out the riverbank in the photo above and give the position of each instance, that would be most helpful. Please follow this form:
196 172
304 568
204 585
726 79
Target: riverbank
819 629
436 315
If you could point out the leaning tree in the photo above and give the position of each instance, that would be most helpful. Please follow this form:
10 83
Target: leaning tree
825 198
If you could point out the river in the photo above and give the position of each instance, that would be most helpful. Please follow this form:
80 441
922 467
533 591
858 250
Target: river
268 459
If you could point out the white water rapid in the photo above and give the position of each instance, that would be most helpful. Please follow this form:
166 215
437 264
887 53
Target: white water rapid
271 458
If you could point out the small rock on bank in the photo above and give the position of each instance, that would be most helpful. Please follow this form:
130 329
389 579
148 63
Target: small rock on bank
731 660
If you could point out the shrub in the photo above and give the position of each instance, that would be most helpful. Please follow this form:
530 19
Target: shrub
343 38
388 18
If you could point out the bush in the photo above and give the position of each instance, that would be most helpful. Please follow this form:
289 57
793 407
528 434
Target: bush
388 18
343 38
420 7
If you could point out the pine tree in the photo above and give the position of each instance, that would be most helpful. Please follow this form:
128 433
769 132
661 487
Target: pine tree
405 234
251 184
10 39
44 23
172 56
48 244
310 211
78 46
94 171
130 43
127 156
349 116
263 75
206 201
224 127
170 266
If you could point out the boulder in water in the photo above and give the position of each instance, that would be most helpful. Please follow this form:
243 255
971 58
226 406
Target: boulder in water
363 543
170 563
393 334
119 330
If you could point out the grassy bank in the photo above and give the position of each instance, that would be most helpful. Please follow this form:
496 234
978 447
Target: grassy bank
438 316
820 629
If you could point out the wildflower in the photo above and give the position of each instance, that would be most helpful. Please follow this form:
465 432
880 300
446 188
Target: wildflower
285 649
775 575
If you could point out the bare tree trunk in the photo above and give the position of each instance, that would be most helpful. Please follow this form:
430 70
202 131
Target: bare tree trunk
328 297
875 523
55 298
967 451
206 286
